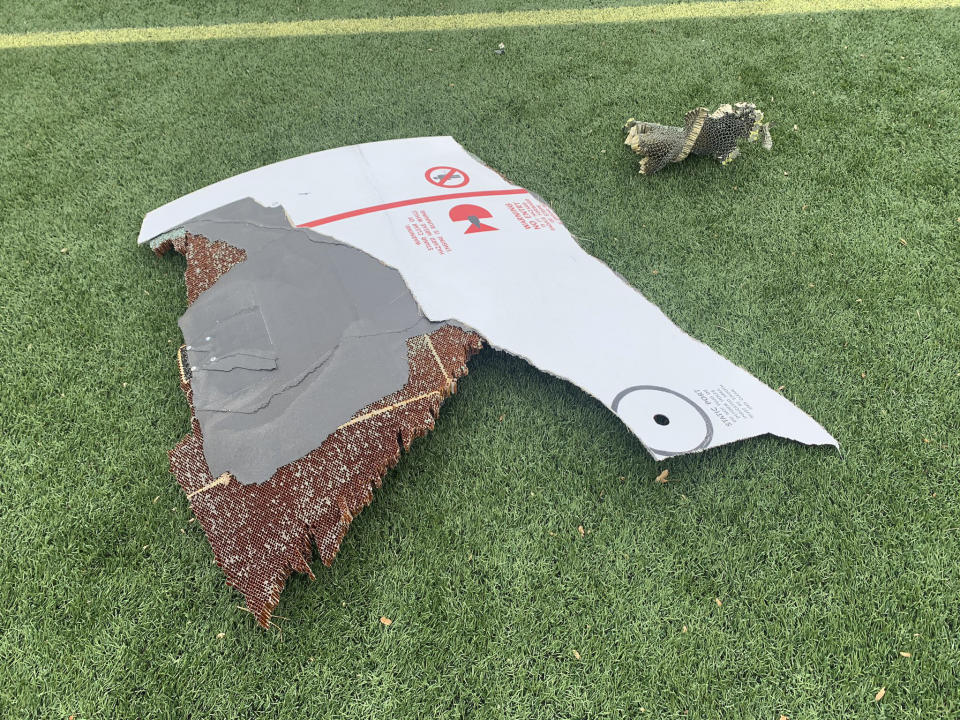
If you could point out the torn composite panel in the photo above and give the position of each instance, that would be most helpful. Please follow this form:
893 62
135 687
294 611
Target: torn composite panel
469 248
474 248
261 532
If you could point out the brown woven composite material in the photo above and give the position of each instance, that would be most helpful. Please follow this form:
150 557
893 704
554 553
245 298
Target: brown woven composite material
260 533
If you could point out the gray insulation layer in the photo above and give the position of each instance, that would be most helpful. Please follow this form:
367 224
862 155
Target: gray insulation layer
288 345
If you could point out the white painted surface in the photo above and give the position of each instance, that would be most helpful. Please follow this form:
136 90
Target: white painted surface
526 286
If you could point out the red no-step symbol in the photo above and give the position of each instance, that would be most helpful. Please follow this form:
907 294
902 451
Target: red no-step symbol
472 214
446 176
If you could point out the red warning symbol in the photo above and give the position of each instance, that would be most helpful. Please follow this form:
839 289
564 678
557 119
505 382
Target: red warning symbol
446 176
472 214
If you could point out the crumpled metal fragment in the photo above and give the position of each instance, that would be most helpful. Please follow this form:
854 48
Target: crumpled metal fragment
715 134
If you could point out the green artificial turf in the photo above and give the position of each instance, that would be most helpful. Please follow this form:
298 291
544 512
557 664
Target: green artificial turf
829 266
20 16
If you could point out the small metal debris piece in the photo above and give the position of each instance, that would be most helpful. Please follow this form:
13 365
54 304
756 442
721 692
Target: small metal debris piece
713 134
501 49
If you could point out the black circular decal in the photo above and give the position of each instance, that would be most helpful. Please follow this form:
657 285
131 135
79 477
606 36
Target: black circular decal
663 420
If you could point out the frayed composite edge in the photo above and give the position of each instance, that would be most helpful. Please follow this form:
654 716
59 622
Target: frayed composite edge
413 419
262 576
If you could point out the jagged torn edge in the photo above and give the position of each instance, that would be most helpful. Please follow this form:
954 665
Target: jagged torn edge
261 533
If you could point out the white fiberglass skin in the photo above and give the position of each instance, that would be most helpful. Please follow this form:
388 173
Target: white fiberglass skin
478 250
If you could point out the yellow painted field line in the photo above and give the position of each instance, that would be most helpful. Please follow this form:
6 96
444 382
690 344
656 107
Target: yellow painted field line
467 21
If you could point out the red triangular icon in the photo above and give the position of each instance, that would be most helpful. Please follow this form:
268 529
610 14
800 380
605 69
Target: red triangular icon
472 214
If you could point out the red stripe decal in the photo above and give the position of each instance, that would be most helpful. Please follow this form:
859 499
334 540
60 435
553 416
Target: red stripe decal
412 201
